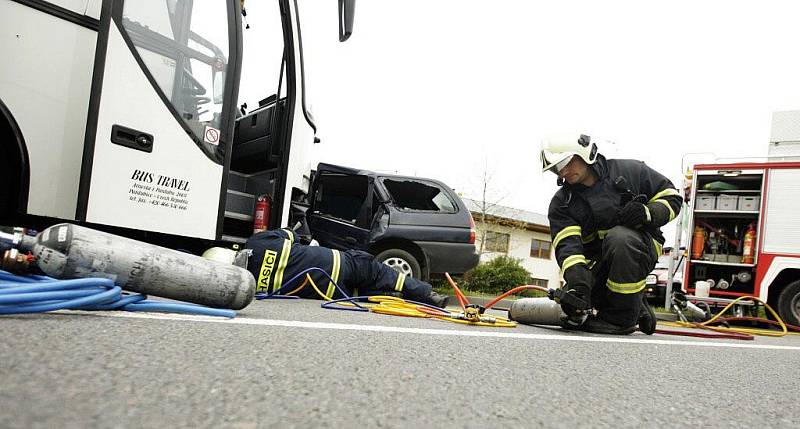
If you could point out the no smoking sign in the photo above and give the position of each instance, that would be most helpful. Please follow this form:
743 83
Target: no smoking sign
211 136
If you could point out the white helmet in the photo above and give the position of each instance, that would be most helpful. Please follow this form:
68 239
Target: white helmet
220 254
558 150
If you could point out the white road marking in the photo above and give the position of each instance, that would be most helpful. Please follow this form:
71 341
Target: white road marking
459 333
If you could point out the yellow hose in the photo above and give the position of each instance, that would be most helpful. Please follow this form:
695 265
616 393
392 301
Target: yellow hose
299 288
314 285
395 306
756 331
399 307
325 297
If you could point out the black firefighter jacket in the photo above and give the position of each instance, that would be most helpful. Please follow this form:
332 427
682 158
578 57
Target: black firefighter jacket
580 216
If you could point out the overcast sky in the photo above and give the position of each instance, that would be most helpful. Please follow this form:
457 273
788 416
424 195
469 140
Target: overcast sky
450 88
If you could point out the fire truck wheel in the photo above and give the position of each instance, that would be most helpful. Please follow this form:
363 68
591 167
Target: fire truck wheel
789 303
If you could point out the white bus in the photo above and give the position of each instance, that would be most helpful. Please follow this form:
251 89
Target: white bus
122 114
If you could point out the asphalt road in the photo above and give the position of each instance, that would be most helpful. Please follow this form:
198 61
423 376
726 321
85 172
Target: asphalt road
292 364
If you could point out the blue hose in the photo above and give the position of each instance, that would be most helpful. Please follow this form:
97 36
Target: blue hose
276 294
39 294
329 305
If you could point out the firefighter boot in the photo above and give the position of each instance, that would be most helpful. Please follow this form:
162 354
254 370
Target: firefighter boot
647 318
436 299
599 326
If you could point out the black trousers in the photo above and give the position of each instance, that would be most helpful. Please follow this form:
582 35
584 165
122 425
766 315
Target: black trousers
628 256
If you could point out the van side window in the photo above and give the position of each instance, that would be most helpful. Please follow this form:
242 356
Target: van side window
418 195
341 196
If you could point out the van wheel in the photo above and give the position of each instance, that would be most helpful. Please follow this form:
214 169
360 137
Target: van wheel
789 303
401 261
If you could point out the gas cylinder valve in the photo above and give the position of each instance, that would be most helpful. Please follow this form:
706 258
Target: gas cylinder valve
562 296
16 262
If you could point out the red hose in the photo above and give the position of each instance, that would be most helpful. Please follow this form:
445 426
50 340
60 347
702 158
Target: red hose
716 334
462 300
513 291
432 312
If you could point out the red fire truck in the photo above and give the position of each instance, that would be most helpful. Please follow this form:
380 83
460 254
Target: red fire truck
744 224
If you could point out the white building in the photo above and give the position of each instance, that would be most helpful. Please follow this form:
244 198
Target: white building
519 234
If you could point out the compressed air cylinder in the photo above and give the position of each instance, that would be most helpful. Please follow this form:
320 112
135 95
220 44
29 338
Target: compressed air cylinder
67 251
536 311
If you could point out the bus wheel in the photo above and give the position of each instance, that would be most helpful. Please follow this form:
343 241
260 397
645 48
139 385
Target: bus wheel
789 303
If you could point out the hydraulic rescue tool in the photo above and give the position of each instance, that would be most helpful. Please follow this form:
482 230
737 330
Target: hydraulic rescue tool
688 313
681 303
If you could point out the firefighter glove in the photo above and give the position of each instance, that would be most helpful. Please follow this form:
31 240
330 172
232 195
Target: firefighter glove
579 281
634 215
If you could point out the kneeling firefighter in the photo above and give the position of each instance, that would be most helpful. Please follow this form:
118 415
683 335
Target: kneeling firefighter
605 223
278 256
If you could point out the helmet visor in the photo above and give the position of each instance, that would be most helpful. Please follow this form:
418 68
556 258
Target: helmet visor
561 164
555 161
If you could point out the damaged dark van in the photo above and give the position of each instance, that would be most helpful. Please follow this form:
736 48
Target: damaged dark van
418 226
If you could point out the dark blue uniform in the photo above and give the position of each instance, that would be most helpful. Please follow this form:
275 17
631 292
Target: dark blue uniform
278 257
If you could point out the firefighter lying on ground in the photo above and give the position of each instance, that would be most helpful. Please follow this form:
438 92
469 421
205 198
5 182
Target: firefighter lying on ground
605 223
277 256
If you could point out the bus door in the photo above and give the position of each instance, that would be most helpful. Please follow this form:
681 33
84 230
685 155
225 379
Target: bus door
161 116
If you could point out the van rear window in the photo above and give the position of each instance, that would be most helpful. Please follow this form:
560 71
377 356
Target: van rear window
418 195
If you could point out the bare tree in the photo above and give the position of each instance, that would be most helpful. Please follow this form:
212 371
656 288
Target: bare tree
490 211
484 206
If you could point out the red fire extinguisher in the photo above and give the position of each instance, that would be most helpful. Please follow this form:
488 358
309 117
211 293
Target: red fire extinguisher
261 215
698 242
749 246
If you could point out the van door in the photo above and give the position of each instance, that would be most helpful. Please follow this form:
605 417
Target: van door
161 116
340 215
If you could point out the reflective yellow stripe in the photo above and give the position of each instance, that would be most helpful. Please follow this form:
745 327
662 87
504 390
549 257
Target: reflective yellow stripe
290 233
591 237
566 232
659 247
287 247
625 288
573 260
267 267
398 285
664 193
334 273
669 207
